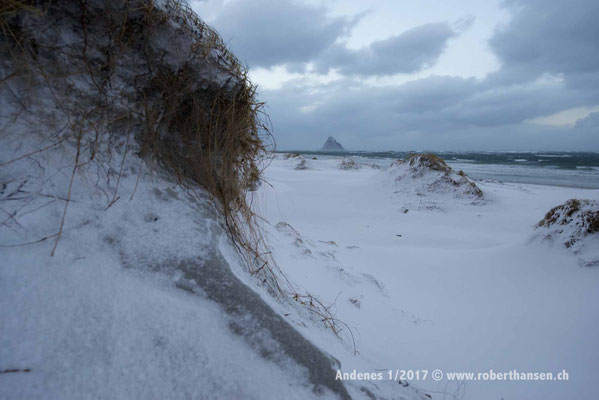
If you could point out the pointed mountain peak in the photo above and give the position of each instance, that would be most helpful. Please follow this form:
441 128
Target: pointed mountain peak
332 145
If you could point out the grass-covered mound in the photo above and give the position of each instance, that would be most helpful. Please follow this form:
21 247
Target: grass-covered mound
427 174
574 224
105 77
348 164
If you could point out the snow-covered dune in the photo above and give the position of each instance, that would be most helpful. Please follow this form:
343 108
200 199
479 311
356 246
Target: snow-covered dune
129 139
459 287
575 225
144 297
428 178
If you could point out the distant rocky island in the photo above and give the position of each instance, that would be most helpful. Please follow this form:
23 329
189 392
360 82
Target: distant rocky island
332 145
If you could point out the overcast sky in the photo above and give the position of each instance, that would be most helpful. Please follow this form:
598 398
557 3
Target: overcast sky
421 74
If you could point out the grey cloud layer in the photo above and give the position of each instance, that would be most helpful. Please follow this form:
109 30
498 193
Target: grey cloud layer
433 113
549 36
270 32
411 51
265 33
544 38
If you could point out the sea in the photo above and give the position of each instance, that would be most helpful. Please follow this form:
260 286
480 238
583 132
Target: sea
569 169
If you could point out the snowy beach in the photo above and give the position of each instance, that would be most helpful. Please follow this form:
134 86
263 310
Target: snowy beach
434 282
177 221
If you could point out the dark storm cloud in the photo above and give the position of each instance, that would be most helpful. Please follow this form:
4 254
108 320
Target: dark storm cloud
515 104
411 51
363 117
433 94
264 33
543 38
434 113
549 36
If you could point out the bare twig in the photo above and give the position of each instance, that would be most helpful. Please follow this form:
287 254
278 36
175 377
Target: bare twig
137 180
115 198
32 153
10 371
66 204
12 217
28 243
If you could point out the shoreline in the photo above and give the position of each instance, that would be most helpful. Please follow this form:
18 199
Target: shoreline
579 177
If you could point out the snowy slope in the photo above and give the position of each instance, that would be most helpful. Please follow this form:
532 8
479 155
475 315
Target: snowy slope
115 281
461 287
145 296
122 310
87 328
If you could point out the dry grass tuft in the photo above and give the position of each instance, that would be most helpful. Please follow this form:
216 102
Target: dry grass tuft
9 8
585 212
421 164
205 131
151 79
430 161
571 223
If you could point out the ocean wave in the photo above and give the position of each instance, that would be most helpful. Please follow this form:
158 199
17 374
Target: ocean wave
555 155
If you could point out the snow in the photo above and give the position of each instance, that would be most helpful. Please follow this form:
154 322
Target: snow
425 177
113 314
461 287
458 287
88 328
348 163
115 282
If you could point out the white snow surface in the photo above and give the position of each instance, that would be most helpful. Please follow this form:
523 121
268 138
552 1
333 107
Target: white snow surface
461 287
97 320
101 318
87 329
